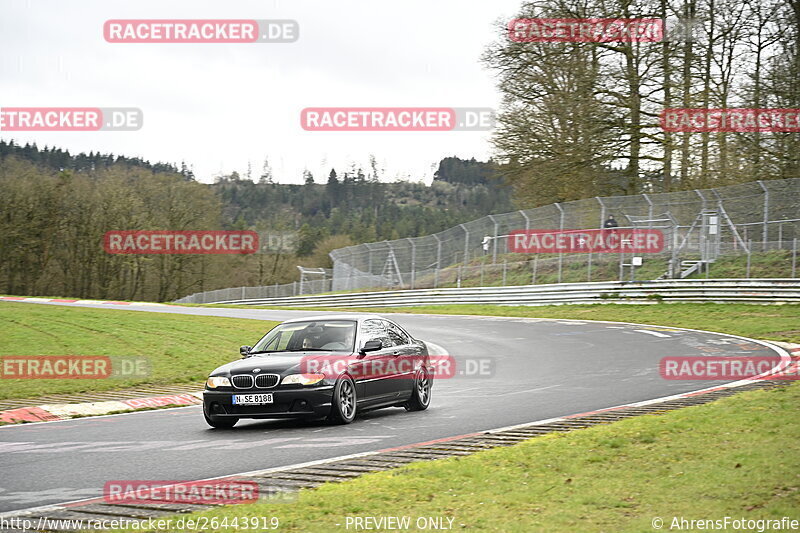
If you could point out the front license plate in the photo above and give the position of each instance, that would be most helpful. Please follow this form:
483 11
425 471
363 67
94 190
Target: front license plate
252 399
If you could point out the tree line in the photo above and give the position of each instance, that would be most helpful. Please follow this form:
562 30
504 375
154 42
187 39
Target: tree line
56 208
358 205
581 119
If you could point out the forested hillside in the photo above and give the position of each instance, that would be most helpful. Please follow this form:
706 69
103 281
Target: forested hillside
362 207
56 207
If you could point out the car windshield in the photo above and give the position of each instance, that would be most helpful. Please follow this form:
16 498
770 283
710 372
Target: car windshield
320 335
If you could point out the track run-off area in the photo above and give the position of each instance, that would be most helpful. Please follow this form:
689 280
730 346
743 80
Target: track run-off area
537 369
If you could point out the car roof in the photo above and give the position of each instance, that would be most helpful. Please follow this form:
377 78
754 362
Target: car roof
356 317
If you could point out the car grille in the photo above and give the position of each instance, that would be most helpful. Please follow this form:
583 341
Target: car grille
266 381
242 381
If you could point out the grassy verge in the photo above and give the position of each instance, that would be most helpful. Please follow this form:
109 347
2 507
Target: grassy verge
519 269
736 457
178 348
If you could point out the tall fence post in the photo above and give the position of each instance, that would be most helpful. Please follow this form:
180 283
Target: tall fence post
765 224
535 265
794 257
602 211
494 239
413 261
749 251
466 243
589 267
527 220
561 228
649 211
505 271
438 260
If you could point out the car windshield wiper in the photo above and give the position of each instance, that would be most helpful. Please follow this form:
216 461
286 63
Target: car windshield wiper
309 350
263 351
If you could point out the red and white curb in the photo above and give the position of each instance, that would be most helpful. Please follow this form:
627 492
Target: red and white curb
71 301
793 368
65 411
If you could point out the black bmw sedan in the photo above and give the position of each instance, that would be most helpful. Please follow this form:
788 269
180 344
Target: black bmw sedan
322 367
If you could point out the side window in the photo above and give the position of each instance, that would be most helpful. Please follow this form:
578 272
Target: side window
374 330
397 335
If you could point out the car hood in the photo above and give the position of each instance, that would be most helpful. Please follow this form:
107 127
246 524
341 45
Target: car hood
276 363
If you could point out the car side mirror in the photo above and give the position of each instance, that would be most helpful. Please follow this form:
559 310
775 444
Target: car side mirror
245 351
371 346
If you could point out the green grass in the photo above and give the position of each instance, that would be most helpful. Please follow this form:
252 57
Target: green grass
178 348
768 322
772 264
738 457
520 269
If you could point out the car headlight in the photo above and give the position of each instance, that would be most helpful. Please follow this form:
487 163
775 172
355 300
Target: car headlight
303 379
218 381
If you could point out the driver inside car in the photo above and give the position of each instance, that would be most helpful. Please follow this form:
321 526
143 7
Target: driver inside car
343 344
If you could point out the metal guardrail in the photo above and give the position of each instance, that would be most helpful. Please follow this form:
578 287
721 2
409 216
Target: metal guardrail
777 290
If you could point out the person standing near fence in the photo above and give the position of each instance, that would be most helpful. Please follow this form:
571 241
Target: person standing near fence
485 244
610 223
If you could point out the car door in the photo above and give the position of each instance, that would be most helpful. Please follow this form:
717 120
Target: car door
406 354
374 365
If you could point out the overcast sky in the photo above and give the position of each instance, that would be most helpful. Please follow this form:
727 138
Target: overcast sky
220 106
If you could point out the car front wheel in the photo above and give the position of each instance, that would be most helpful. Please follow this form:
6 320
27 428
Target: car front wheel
343 404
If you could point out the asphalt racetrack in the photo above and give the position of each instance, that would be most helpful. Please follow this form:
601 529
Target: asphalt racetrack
538 369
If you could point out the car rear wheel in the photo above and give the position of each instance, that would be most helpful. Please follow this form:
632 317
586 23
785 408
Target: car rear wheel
343 404
421 395
219 422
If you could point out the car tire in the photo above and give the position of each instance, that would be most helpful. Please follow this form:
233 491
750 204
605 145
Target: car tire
219 422
421 395
344 402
